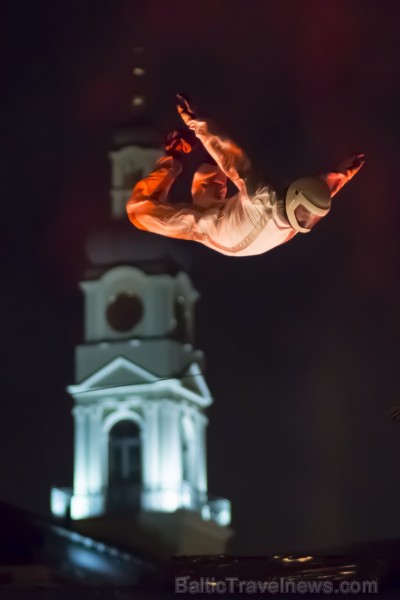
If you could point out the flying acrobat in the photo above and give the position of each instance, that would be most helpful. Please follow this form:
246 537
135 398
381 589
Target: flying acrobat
252 221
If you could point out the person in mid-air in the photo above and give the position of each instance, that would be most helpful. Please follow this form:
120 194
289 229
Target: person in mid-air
252 221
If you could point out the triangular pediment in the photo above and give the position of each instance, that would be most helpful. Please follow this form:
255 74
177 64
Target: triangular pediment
193 380
118 372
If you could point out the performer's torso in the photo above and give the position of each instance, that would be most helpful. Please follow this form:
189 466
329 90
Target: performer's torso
247 226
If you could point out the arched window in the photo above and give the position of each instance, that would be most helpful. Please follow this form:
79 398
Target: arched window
124 465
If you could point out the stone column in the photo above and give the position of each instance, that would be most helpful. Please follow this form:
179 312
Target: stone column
170 456
150 448
80 450
201 454
94 453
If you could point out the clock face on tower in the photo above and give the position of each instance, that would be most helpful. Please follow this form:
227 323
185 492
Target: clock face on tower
124 311
127 302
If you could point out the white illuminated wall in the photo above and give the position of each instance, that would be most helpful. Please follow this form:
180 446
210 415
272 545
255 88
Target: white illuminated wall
132 376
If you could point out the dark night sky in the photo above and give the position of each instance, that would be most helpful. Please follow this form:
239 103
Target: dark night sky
302 343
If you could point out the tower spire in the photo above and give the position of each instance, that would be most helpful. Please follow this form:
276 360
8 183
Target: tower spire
138 129
139 73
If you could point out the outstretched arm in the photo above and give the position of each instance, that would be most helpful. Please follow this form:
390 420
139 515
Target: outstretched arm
345 171
309 199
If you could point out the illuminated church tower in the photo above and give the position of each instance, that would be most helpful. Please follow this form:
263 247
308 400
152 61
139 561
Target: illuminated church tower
140 396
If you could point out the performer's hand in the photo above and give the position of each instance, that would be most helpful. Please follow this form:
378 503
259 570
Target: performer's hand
351 165
185 109
344 172
395 414
180 141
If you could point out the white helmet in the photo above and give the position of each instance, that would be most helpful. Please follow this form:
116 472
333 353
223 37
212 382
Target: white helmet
311 193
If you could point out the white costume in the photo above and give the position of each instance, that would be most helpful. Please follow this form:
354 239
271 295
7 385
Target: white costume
243 225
